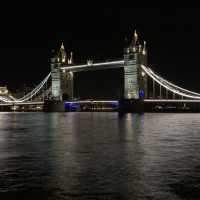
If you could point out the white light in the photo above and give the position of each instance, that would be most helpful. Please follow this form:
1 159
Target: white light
143 74
14 108
89 62
71 74
86 101
63 60
171 100
69 61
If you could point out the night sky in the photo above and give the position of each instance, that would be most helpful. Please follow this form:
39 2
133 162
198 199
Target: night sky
97 31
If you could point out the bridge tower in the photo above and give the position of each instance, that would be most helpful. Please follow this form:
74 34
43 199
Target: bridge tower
67 80
56 78
56 102
135 80
62 81
67 85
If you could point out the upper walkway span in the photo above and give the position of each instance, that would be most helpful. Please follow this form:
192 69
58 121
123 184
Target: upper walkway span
94 66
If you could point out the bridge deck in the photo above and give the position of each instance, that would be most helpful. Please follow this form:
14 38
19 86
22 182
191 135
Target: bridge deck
21 103
173 100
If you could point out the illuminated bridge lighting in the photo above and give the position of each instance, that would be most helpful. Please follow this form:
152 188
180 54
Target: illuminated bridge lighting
87 101
21 103
171 84
193 96
166 86
92 65
91 105
62 70
173 100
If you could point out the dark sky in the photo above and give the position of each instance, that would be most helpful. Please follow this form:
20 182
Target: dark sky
28 33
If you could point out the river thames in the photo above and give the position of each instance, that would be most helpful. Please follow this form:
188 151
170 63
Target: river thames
64 156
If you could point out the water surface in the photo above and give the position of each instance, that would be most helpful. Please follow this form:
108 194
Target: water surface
63 156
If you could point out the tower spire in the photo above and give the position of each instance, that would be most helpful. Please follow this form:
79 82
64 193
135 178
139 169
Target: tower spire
140 48
62 46
62 54
70 61
135 43
135 36
144 51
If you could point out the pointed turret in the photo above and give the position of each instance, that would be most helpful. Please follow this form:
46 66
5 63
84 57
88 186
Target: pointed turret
140 48
70 60
144 51
62 46
135 42
135 38
62 54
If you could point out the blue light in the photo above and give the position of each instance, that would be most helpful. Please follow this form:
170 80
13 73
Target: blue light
141 94
115 104
71 106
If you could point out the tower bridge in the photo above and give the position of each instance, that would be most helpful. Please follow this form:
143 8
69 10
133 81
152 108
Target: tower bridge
143 89
135 80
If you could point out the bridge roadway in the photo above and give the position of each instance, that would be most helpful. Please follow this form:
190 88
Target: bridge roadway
22 103
173 100
108 101
135 106
145 100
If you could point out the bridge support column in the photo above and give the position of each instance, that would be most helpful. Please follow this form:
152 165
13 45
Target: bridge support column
131 84
67 85
55 103
135 79
56 79
135 86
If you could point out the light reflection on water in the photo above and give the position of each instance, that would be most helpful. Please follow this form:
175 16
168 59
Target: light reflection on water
99 156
